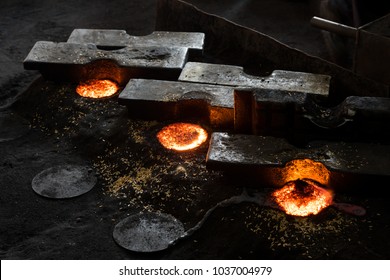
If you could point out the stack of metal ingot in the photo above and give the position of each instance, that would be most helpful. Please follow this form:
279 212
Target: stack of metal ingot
267 117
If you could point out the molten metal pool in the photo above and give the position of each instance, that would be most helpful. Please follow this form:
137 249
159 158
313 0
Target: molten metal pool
97 88
302 197
182 136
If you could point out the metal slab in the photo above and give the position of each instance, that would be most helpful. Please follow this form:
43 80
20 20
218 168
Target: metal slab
352 166
75 62
147 232
194 41
156 99
231 75
12 126
65 181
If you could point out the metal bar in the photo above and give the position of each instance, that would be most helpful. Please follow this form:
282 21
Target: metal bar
334 27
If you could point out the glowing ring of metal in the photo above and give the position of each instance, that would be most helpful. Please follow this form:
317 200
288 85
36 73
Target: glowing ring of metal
182 136
96 88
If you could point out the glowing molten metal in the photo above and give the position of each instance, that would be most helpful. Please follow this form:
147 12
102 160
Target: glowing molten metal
182 136
97 88
302 198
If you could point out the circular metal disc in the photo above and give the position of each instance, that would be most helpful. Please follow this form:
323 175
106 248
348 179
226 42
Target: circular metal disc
12 126
64 181
147 232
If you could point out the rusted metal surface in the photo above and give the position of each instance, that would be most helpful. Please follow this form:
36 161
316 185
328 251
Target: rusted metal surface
300 116
353 166
157 99
232 75
112 39
238 45
75 62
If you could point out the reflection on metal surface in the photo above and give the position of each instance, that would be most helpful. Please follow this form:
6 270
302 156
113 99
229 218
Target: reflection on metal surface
306 168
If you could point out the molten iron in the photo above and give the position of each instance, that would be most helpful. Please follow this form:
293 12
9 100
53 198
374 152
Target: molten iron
97 88
302 198
182 136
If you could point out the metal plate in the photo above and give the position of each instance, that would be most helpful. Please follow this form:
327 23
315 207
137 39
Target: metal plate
231 75
172 100
147 232
70 62
12 126
64 181
115 38
45 52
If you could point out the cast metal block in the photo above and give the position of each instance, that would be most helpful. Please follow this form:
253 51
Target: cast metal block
230 75
161 100
114 39
352 166
75 62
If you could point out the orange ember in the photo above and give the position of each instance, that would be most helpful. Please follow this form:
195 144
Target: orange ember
302 198
97 88
182 136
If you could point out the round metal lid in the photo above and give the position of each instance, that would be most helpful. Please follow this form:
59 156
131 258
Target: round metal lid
12 126
64 181
147 232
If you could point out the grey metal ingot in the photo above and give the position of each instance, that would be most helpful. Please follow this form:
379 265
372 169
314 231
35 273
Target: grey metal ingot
111 38
352 166
161 100
75 62
231 75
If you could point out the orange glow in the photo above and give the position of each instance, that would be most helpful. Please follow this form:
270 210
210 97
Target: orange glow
302 198
97 88
182 136
305 168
